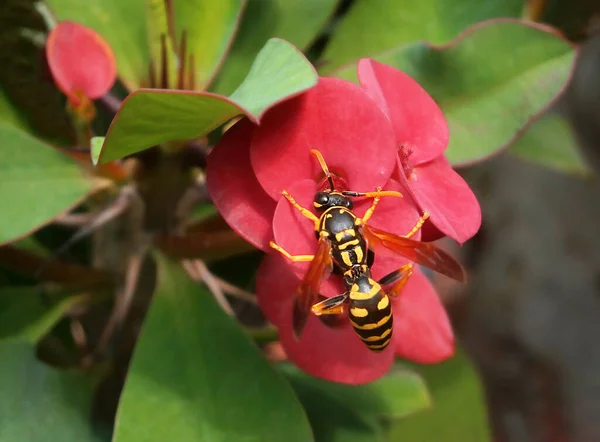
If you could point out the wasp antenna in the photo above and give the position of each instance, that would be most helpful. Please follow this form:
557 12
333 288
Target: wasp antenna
316 153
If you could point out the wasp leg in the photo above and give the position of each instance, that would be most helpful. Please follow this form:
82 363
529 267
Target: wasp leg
399 276
303 210
330 306
293 258
419 224
370 210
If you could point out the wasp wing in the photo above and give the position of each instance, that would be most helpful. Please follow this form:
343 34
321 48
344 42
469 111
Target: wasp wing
308 292
423 253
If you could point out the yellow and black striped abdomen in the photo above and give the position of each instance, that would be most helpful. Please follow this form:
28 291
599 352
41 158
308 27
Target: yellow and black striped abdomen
371 313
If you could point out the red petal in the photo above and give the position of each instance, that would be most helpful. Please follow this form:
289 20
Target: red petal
418 122
234 189
295 233
422 331
335 354
80 60
453 207
337 118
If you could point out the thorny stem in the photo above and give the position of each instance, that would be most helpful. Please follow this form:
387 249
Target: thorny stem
122 301
110 102
533 10
198 271
191 267
263 335
74 219
106 215
235 291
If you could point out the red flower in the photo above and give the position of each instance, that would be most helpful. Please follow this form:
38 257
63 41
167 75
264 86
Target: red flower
251 165
421 137
81 61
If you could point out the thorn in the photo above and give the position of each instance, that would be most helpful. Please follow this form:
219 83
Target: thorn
181 71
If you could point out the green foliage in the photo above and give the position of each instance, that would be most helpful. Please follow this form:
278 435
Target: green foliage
210 27
40 403
296 21
459 411
550 142
151 117
192 372
371 28
26 315
37 182
399 394
186 381
488 100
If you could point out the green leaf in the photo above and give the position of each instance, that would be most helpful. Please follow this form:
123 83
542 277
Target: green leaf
399 393
37 183
296 21
489 87
96 143
551 143
458 413
38 403
151 117
210 26
371 28
195 376
24 314
122 24
343 413
9 114
332 421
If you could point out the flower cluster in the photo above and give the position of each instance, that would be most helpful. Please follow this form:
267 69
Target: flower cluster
387 132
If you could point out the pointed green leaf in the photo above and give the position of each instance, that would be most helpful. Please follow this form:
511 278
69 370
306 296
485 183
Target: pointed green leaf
458 412
489 87
96 143
151 117
370 28
37 183
297 21
550 142
399 393
122 24
26 315
39 403
210 26
195 376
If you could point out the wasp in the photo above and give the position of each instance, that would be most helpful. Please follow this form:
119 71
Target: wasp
346 246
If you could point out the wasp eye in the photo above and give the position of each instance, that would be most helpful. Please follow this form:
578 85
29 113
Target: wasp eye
348 204
322 198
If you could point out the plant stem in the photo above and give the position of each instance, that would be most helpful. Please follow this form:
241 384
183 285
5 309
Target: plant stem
533 10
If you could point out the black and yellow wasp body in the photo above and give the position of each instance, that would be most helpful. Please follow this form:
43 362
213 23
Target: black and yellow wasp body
345 246
340 226
369 310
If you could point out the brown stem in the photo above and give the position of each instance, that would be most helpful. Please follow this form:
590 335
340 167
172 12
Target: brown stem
204 245
110 102
122 302
235 291
198 271
29 264
533 10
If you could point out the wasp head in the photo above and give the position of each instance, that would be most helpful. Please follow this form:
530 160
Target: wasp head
328 199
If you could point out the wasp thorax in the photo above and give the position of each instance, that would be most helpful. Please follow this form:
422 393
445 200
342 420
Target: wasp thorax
326 200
